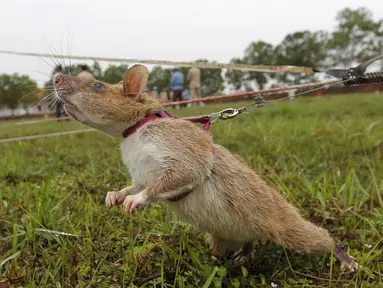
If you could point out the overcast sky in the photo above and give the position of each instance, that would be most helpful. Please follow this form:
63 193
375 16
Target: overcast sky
157 29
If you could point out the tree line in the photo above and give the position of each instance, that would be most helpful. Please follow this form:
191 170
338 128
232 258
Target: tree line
356 37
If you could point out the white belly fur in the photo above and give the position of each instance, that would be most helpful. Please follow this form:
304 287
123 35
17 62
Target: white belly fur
205 208
143 160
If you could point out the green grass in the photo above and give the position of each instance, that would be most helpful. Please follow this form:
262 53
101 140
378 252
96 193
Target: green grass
324 154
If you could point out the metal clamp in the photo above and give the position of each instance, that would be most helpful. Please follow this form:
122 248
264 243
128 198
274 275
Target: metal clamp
352 74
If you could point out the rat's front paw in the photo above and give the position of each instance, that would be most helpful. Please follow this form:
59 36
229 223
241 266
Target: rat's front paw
132 202
114 198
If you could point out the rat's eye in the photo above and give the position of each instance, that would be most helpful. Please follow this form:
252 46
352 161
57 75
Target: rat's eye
97 86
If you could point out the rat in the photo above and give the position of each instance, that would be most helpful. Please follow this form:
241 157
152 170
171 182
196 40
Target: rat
174 160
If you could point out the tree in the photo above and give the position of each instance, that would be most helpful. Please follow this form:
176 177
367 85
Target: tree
211 80
114 74
257 53
303 48
96 70
160 78
15 89
357 37
237 78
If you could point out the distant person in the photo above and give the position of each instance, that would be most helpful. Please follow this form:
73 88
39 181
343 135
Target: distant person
84 74
194 79
185 97
177 84
163 97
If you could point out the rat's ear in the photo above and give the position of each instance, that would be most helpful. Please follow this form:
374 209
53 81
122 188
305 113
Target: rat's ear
135 80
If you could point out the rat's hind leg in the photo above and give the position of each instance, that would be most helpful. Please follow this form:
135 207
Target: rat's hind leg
244 253
347 261
222 247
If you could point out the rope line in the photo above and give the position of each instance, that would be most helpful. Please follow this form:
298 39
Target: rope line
203 65
35 121
44 135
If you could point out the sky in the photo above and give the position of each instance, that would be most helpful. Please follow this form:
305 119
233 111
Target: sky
158 29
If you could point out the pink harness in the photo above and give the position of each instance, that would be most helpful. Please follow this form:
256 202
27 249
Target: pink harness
205 120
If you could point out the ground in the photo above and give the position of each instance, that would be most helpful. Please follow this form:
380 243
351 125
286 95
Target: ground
324 154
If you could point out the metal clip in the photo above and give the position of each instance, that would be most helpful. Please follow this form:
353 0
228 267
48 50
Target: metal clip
225 114
228 113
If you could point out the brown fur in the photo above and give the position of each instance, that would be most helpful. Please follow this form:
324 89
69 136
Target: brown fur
229 200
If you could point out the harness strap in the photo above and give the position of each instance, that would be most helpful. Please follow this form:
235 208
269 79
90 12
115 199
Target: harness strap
205 120
180 197
133 129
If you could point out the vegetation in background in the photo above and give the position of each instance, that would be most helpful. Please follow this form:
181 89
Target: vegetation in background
16 89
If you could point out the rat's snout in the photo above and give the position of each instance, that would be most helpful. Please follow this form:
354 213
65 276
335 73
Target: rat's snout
64 83
58 79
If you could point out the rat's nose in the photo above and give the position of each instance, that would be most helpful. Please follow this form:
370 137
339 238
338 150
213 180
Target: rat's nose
58 79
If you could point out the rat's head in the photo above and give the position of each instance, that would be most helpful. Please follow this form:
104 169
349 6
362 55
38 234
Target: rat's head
109 108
